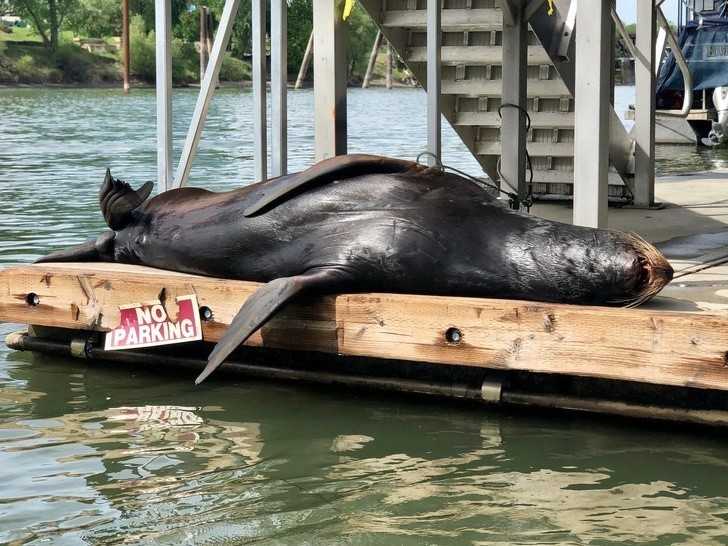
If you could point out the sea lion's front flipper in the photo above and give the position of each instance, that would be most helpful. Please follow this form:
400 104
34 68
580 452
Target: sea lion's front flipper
118 199
258 308
336 168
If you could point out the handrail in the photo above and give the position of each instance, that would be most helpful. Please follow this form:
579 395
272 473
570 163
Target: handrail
682 65
629 44
679 57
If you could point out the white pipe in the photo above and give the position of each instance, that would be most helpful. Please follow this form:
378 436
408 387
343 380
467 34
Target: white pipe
682 65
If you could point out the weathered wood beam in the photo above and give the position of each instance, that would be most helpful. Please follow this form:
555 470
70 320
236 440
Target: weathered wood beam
659 347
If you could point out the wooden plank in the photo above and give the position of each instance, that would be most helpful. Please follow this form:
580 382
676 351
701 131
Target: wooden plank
539 120
481 86
669 348
560 149
475 55
452 19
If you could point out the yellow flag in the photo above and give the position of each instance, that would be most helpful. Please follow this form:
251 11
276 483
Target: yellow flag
348 6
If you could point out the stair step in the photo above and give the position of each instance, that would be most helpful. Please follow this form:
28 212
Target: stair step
558 149
538 119
478 87
452 19
474 55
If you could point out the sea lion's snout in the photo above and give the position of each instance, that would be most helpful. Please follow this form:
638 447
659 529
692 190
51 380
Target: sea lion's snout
652 268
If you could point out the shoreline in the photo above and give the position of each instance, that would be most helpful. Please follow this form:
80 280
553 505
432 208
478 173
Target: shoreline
141 85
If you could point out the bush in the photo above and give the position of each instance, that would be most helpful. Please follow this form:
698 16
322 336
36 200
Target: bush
75 63
28 70
185 64
234 70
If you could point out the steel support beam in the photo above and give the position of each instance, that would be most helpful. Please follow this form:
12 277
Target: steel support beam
305 62
125 43
644 127
513 126
279 86
163 33
372 60
260 135
591 114
329 87
434 117
207 90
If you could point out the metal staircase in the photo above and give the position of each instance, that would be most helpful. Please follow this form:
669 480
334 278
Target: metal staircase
472 81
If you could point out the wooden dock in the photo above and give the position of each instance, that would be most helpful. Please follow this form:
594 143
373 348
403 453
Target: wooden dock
677 351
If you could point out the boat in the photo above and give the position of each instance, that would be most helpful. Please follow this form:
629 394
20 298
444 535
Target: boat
703 41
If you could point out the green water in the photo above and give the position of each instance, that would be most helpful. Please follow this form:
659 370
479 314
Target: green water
107 455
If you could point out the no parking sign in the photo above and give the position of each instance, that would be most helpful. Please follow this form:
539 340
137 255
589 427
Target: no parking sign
149 325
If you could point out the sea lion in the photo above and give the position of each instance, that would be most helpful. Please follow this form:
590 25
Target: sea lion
367 223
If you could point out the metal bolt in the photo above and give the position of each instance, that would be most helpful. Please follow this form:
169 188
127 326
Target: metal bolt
32 299
453 335
206 313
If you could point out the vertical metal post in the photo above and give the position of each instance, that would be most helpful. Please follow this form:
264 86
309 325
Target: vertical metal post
163 32
279 86
207 90
644 128
329 69
434 33
591 114
125 42
203 41
513 126
260 135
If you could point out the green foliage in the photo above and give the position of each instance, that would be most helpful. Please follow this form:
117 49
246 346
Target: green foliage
96 18
46 16
234 70
300 24
185 63
145 8
361 34
240 38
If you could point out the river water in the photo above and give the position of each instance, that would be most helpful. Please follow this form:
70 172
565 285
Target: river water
109 455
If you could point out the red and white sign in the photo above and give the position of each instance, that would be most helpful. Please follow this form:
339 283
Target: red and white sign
148 325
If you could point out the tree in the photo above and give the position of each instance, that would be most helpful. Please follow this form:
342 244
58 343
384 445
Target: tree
96 18
46 16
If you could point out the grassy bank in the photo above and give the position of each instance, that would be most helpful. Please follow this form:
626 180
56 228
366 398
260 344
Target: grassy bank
23 59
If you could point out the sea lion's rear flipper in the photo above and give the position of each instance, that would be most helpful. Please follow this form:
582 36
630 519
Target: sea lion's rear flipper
336 168
258 308
118 199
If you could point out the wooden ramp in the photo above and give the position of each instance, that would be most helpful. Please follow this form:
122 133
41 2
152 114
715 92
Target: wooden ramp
683 350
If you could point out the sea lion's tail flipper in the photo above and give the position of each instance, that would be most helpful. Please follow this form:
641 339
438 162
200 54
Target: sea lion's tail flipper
118 199
258 308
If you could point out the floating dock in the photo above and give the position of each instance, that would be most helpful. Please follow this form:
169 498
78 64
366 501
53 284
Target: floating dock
641 362
667 360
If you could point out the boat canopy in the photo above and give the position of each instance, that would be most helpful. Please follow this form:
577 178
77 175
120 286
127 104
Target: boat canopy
705 47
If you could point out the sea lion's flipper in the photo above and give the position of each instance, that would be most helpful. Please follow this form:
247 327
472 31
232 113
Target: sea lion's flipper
100 249
258 308
118 199
336 168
